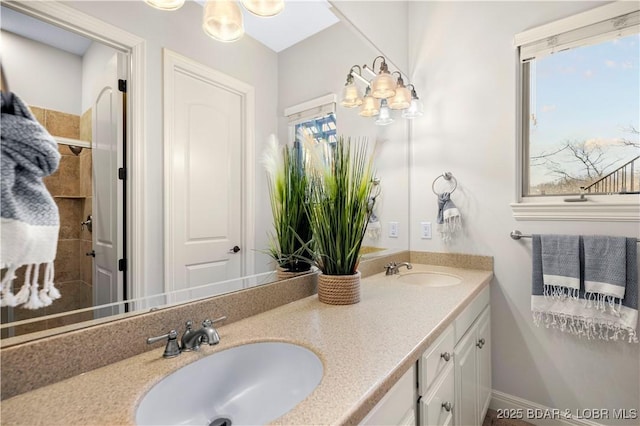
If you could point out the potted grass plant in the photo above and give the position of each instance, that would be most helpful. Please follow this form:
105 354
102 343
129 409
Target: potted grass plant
288 188
340 184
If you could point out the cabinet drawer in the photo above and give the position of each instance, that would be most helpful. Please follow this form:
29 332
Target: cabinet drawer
434 359
436 409
398 405
471 312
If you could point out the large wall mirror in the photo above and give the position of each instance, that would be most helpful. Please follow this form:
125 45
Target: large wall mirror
62 70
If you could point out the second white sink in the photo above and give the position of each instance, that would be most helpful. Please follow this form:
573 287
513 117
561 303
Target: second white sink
250 384
430 279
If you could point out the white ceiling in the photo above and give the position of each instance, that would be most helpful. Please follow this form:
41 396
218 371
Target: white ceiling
299 19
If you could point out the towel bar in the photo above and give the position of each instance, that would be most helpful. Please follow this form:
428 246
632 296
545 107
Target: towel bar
516 235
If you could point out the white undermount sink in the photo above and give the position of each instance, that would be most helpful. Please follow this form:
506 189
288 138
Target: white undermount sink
250 384
430 279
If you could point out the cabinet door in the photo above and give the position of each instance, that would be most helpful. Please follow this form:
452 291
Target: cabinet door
438 406
483 356
466 411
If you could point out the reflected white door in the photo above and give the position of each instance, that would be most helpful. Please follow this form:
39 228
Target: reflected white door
205 131
107 189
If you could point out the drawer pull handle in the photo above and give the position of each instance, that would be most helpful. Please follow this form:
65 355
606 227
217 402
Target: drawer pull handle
446 356
447 406
480 343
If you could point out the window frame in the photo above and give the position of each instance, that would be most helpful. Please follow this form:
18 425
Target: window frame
617 207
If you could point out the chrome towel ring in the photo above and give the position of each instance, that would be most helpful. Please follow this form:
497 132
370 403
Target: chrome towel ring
448 177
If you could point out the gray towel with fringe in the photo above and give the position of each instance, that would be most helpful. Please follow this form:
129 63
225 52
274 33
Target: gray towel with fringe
605 275
579 316
30 220
561 265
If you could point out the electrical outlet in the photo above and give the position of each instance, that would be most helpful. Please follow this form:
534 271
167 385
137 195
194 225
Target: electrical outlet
393 229
426 230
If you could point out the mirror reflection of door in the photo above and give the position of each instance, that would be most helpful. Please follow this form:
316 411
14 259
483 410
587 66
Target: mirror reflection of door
70 83
107 147
205 137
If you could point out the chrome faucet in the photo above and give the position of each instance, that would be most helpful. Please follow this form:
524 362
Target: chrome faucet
191 340
393 268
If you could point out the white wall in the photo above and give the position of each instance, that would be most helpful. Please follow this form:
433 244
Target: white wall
94 62
309 70
464 63
180 31
384 24
42 75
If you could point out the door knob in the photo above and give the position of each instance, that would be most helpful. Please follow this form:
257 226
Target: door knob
235 249
92 253
447 406
480 343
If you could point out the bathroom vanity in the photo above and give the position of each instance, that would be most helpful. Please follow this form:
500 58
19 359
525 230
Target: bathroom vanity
372 353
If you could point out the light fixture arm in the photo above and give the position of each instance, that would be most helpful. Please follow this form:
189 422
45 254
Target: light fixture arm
383 66
400 80
414 95
356 71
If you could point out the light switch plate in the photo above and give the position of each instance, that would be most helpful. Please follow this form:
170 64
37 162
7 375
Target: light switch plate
393 229
425 228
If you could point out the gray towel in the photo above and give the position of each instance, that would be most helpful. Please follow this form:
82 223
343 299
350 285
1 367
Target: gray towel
449 219
605 276
561 264
580 317
30 220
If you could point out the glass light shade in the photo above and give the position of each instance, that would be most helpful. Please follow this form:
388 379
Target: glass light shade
383 86
416 109
402 98
264 7
165 4
223 20
384 117
350 96
370 105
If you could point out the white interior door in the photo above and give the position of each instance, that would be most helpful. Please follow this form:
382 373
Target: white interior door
107 189
205 132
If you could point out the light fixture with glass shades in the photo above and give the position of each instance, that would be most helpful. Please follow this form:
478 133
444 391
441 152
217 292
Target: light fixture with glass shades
392 94
370 105
402 98
222 19
416 108
165 4
383 86
350 92
384 116
264 8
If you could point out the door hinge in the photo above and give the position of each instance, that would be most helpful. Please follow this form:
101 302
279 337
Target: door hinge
122 173
122 265
122 85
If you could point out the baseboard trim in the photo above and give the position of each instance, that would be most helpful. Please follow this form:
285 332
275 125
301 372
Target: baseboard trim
522 408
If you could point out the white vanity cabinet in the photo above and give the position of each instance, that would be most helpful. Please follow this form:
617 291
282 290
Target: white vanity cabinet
453 377
398 405
472 369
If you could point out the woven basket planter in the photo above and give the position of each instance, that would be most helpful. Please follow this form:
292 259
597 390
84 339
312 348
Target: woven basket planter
285 274
339 289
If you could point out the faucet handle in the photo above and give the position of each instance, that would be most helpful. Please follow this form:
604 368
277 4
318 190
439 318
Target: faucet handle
209 323
172 349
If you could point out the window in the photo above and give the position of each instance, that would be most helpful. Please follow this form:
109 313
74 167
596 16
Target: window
580 111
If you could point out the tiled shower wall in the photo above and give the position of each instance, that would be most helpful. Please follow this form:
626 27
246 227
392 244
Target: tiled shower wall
71 188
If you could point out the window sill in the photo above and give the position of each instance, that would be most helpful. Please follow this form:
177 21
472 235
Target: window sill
596 211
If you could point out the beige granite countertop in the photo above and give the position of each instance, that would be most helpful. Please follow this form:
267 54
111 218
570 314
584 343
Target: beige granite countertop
365 348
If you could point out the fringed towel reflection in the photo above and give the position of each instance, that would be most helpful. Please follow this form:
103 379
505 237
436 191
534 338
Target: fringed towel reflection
575 311
30 220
